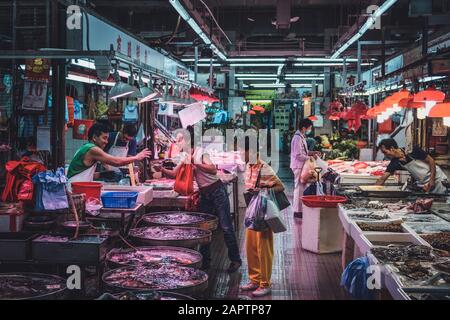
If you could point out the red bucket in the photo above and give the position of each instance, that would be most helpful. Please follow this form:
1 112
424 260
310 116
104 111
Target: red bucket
91 189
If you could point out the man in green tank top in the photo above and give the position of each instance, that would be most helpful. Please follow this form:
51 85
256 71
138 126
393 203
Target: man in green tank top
83 165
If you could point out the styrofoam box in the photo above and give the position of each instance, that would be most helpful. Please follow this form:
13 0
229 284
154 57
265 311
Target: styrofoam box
367 239
321 230
351 178
145 192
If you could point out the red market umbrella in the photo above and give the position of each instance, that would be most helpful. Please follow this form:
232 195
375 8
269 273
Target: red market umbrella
313 118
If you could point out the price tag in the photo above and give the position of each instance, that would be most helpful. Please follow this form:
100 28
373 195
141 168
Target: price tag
34 95
53 286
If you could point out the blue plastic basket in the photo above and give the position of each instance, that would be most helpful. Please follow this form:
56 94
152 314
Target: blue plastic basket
123 200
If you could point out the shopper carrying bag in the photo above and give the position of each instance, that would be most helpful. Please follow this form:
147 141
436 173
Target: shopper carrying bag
260 179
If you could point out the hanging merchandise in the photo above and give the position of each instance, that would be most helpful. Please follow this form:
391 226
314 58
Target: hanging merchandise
70 110
18 178
78 109
51 190
81 129
130 113
102 108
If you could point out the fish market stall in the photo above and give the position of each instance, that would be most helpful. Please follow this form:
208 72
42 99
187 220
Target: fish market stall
405 238
361 172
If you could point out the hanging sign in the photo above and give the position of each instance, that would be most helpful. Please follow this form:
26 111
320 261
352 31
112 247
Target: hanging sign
360 87
37 69
34 95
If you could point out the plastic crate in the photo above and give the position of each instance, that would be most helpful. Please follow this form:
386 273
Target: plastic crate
124 200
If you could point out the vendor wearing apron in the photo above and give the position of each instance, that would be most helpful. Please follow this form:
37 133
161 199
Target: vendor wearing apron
122 144
213 200
418 163
83 165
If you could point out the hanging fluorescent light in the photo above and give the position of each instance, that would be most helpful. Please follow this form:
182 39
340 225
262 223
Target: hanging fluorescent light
369 22
187 17
243 75
323 64
259 78
312 78
83 79
255 65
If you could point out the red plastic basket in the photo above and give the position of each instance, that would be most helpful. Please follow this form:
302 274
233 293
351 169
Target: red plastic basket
323 201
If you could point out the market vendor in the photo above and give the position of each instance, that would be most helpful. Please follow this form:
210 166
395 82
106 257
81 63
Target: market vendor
418 163
83 165
122 143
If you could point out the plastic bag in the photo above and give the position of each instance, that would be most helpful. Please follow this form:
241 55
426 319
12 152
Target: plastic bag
51 188
308 174
321 164
254 215
273 216
93 206
184 182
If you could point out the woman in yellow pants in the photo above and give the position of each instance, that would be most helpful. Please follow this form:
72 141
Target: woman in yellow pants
259 244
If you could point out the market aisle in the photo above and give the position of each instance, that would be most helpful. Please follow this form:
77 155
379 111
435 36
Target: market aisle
297 274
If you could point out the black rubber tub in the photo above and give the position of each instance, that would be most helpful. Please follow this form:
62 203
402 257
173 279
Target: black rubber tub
170 236
32 286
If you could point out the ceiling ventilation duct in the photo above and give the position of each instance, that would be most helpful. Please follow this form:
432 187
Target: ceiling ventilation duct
283 14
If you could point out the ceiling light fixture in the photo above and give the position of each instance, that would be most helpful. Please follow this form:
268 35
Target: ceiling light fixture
187 17
366 26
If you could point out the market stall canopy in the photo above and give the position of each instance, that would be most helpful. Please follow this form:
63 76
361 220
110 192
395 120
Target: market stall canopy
151 97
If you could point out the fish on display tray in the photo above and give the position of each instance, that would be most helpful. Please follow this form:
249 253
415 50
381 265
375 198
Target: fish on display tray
429 227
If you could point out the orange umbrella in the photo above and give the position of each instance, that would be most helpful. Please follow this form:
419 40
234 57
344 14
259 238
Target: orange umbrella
259 108
251 112
402 94
430 94
441 110
313 118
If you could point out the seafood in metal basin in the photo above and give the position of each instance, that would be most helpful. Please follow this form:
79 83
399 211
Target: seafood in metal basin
154 277
167 255
29 286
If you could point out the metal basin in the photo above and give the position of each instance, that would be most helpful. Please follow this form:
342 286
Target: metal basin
31 286
170 236
171 278
182 219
